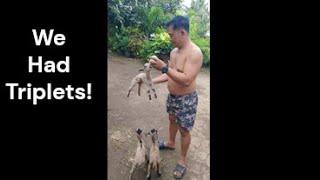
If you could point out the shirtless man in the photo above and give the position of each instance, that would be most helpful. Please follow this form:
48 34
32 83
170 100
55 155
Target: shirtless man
180 73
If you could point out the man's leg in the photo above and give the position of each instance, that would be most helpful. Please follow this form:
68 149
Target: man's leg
186 122
173 129
185 142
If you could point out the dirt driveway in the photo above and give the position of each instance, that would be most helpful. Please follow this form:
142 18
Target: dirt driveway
127 114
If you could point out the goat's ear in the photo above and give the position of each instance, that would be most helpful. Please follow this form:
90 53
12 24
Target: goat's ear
140 70
153 130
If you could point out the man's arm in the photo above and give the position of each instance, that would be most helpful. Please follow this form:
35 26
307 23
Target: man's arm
160 79
191 69
164 77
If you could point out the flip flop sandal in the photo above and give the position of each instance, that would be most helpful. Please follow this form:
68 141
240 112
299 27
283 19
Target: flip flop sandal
162 146
181 169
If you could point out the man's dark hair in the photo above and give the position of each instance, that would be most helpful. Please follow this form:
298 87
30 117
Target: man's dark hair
179 22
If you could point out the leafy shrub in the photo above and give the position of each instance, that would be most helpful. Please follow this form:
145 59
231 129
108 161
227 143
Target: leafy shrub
159 45
127 42
118 43
197 35
155 18
130 24
135 40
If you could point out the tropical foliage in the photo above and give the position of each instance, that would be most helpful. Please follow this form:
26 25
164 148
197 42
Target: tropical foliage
136 27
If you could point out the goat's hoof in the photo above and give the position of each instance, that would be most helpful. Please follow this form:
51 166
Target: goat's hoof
148 177
159 174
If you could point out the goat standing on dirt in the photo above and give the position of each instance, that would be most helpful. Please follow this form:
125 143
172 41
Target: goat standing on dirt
143 77
154 156
141 156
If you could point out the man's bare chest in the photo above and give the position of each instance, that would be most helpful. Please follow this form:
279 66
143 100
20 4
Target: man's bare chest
178 62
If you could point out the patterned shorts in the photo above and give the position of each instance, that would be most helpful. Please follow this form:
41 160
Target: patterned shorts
184 108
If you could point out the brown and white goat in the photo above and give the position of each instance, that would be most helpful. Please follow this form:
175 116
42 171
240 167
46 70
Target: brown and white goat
141 157
143 77
154 154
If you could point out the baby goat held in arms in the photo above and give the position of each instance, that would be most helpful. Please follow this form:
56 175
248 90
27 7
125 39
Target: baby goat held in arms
143 77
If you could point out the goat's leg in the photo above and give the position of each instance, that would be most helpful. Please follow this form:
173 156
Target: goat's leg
146 167
149 89
158 169
139 87
148 172
153 90
147 83
131 171
149 93
147 162
155 94
133 83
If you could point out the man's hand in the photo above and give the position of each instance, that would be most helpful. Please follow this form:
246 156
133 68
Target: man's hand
156 62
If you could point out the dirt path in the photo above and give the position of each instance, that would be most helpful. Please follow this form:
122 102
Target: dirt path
127 114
